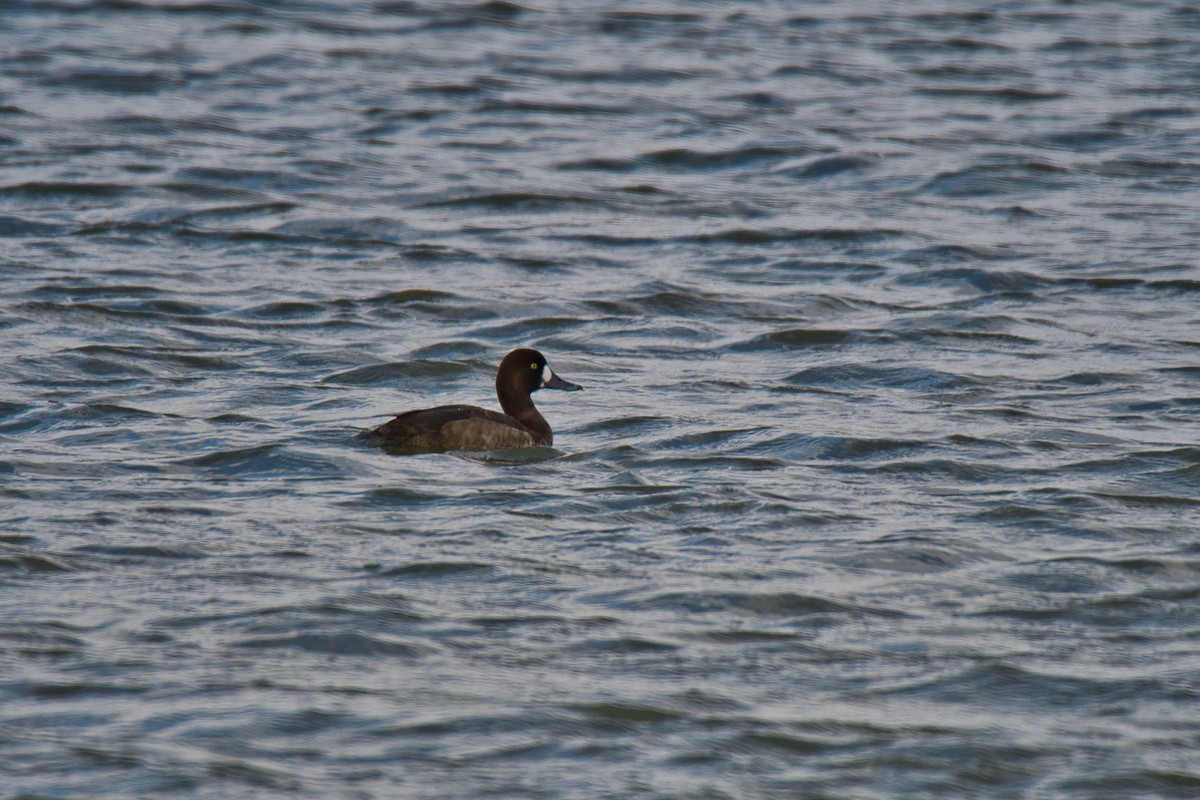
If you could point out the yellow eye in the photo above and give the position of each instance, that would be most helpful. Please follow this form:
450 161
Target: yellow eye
533 365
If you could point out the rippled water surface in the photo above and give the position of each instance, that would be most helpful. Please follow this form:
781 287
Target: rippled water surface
885 482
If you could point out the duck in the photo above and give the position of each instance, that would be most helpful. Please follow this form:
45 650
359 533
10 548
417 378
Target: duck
461 427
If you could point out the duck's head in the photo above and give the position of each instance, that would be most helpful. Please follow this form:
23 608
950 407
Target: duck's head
526 370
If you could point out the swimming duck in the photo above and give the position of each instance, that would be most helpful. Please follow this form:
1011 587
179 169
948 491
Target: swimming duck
460 427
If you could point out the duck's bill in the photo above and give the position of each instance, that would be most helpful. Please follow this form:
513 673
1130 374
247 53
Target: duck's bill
552 381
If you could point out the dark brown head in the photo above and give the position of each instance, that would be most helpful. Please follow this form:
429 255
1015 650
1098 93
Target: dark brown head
523 372
527 371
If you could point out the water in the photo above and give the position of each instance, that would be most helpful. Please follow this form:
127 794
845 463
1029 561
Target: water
886 477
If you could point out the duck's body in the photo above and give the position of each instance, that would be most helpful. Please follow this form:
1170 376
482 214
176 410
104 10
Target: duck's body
462 427
458 428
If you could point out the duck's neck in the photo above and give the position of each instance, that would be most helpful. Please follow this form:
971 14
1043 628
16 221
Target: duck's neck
520 407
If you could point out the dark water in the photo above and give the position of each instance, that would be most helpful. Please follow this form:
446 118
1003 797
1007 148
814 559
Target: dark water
885 482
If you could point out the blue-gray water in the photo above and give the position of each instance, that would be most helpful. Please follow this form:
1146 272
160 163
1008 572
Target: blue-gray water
886 478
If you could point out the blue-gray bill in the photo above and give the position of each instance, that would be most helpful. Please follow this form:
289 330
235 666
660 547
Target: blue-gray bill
555 382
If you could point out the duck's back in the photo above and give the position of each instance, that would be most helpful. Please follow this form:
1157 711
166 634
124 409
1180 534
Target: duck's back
456 427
